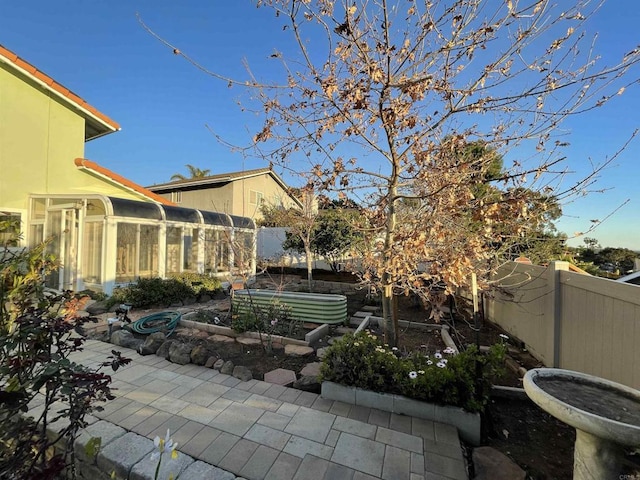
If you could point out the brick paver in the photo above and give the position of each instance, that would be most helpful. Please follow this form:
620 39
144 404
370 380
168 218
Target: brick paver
262 431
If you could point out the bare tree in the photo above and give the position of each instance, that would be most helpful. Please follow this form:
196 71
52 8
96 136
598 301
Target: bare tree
382 96
300 223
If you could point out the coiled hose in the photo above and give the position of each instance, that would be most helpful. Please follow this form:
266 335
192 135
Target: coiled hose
157 322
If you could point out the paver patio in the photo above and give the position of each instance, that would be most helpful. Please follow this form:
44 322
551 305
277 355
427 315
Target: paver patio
257 432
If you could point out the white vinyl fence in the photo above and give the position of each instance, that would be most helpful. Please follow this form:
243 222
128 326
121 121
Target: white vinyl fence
571 320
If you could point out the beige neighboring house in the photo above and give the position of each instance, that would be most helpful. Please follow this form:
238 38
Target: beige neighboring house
235 193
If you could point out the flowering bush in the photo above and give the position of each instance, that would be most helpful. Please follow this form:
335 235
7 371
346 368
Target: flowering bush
37 338
362 361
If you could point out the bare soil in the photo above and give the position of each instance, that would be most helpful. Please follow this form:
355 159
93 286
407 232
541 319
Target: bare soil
541 445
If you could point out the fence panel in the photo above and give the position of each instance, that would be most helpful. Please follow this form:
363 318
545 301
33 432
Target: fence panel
521 306
571 320
600 327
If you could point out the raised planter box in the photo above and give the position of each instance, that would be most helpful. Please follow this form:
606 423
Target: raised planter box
308 307
468 424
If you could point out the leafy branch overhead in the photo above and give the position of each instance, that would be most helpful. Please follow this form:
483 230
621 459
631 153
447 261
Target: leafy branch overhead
385 99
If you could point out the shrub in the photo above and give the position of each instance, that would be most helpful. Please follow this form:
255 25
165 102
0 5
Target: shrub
199 283
148 292
37 337
362 361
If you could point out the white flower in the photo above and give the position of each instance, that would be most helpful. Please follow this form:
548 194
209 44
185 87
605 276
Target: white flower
438 355
164 445
444 360
274 322
441 364
395 349
421 372
449 350
429 362
216 320
413 375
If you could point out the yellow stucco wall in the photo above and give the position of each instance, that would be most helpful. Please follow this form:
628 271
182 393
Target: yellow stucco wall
40 136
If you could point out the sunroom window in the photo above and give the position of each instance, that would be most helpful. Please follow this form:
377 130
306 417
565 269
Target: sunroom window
92 252
174 242
137 252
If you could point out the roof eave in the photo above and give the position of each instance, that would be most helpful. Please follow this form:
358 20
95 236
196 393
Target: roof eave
120 181
90 114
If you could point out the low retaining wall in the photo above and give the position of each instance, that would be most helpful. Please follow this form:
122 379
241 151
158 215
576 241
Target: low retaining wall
468 424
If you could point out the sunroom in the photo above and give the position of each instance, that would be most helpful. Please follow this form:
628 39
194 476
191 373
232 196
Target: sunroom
103 242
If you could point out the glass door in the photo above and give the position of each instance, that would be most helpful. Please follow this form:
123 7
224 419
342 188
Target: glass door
62 228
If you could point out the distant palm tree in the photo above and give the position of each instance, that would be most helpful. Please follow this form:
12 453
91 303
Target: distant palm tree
194 172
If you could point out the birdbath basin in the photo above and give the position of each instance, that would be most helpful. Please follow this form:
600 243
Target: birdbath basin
605 414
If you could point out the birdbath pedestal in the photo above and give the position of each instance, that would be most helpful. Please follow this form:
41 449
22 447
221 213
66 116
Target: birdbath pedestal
605 414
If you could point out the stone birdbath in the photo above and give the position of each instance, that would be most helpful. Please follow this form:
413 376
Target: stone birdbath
605 414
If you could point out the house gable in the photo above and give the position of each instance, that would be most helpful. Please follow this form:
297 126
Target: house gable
236 193
44 127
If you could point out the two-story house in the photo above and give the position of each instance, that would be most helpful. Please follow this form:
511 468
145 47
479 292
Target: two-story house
105 229
235 193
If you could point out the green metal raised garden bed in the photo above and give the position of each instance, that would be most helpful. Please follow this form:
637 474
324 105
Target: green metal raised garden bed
307 307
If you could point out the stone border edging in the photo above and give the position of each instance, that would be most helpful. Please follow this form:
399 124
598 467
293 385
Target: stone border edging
219 330
467 423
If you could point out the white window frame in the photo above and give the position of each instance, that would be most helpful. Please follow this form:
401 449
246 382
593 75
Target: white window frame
259 197
176 197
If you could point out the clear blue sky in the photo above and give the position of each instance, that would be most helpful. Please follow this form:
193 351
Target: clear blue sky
98 50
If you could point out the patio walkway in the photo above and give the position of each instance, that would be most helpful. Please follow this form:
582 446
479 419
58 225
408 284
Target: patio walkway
258 430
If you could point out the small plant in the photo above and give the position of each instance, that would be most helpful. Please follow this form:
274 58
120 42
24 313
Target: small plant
163 445
272 319
362 361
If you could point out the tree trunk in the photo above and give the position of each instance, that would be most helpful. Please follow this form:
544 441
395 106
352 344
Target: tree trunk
389 313
307 252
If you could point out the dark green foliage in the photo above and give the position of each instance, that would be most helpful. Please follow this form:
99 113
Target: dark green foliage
336 233
148 292
607 262
362 361
621 258
199 283
37 337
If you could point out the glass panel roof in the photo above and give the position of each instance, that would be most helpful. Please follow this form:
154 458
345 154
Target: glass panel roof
152 211
216 218
131 208
181 214
242 222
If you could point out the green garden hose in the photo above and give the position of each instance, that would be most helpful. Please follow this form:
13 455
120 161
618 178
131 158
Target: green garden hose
157 322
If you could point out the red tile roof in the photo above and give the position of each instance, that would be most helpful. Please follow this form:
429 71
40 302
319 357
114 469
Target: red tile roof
83 163
57 87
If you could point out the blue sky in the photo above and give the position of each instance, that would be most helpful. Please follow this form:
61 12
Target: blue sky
98 50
